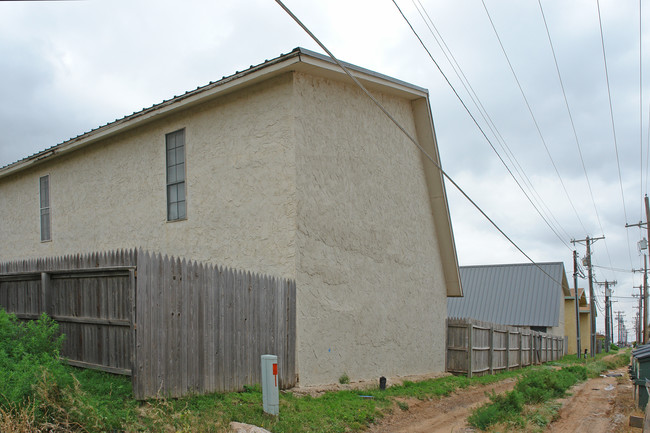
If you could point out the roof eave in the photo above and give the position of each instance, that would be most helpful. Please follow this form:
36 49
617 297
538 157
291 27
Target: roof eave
299 59
437 197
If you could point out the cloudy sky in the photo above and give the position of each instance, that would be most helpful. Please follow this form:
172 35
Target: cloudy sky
69 66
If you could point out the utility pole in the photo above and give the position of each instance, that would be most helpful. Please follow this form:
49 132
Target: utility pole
620 324
638 327
643 301
592 299
644 325
577 301
608 314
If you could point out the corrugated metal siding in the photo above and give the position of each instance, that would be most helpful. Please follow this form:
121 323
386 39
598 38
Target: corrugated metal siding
518 294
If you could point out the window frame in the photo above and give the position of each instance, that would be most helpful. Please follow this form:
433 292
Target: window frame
45 208
175 176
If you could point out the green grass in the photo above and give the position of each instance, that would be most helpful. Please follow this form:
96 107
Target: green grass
93 401
532 402
39 391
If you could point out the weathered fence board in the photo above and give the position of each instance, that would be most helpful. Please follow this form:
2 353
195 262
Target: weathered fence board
88 295
478 348
176 326
215 323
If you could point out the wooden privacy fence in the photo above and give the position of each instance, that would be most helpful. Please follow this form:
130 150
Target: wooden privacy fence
175 326
479 348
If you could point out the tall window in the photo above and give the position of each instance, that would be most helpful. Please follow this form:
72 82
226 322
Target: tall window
44 190
176 209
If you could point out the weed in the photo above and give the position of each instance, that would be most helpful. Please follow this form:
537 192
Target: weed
344 379
503 408
535 386
26 348
403 405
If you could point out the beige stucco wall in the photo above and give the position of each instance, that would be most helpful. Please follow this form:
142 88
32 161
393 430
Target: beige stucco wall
570 324
240 189
585 332
371 294
299 177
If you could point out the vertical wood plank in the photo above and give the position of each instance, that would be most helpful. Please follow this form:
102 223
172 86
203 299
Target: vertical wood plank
470 332
45 290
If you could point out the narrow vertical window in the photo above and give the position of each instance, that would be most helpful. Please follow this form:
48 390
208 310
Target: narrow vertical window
175 142
44 189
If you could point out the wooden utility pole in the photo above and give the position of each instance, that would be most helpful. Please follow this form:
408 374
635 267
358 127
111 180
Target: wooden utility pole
608 315
644 316
592 298
643 301
639 314
577 301
621 331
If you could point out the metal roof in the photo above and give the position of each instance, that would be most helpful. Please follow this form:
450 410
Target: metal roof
297 53
514 294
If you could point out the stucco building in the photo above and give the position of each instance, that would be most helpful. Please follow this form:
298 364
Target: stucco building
570 322
286 169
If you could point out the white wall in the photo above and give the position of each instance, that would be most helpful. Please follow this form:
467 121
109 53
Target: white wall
371 293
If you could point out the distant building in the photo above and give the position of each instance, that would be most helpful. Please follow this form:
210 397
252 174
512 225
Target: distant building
570 322
525 295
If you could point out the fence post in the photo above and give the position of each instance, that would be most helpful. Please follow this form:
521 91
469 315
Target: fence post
135 376
508 349
45 289
521 349
470 331
491 353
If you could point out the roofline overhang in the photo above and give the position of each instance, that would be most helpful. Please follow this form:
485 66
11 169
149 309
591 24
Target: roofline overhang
300 60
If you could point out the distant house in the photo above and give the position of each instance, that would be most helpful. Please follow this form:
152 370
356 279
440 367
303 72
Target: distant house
570 321
285 169
525 295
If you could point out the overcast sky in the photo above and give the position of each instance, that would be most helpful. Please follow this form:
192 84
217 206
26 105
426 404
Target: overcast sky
68 67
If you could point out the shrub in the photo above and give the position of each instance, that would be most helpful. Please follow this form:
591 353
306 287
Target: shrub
533 387
26 349
503 408
541 385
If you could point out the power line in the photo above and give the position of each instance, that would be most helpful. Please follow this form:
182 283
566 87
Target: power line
613 269
530 111
611 113
407 134
476 122
548 214
641 108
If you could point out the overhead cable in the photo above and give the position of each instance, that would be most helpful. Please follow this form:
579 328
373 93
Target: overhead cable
641 109
575 135
408 135
543 208
611 113
530 111
475 121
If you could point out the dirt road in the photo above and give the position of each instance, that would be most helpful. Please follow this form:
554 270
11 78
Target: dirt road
600 405
448 414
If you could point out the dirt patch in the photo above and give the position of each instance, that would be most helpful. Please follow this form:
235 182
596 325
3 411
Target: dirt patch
600 405
444 415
